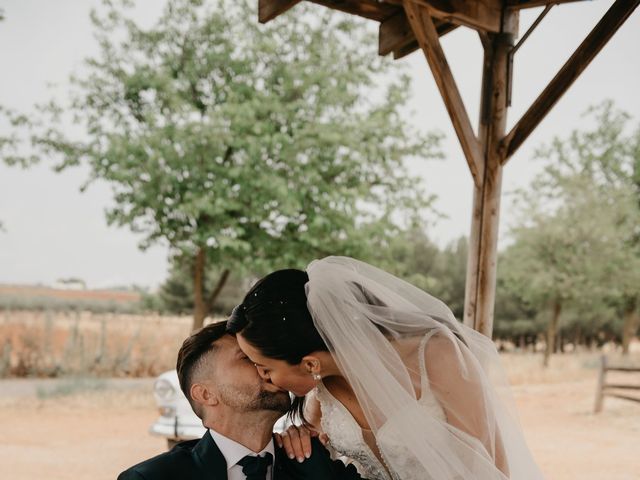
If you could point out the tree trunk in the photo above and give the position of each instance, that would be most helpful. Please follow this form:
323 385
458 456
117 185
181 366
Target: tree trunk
630 326
579 339
200 310
589 342
552 328
218 288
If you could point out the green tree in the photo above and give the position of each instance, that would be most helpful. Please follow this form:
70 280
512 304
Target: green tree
515 320
176 293
608 154
414 257
452 274
575 247
237 143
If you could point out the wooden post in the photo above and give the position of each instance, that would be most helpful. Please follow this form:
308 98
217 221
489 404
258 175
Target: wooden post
600 388
471 284
483 242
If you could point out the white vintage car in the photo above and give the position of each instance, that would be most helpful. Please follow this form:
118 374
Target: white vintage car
177 421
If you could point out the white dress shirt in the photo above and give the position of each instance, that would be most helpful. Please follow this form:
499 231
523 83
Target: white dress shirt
233 452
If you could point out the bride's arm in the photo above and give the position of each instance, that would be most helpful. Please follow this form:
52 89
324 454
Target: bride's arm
457 385
296 440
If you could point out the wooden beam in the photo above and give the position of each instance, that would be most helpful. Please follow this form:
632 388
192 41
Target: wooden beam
570 71
482 15
413 46
395 34
270 9
371 9
518 4
427 36
406 50
443 28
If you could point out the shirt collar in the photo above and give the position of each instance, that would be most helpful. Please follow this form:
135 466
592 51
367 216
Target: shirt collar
233 451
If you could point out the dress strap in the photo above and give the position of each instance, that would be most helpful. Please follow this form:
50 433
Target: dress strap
424 379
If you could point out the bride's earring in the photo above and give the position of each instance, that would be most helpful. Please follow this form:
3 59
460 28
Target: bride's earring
316 376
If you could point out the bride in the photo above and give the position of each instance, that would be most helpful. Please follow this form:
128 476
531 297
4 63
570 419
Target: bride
398 385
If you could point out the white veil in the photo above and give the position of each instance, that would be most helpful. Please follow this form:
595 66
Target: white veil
386 337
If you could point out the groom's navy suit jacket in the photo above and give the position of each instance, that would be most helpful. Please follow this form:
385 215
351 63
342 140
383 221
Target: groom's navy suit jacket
202 460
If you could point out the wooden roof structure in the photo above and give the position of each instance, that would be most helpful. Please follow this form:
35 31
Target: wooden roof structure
410 25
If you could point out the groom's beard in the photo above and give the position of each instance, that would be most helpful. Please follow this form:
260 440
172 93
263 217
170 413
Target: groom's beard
275 401
251 399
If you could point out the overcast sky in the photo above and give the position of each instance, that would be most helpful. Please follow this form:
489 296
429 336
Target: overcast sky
54 231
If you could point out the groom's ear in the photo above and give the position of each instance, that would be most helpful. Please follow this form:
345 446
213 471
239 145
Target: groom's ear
204 394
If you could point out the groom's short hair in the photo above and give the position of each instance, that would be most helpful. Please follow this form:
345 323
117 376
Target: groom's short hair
192 354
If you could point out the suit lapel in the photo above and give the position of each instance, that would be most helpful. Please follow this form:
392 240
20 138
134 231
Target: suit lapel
209 458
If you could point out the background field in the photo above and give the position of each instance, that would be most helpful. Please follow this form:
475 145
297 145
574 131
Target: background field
88 424
53 344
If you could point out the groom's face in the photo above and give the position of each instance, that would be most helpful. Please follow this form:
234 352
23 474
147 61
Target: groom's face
238 384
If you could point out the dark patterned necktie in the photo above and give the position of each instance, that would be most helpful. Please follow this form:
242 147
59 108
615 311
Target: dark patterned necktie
255 468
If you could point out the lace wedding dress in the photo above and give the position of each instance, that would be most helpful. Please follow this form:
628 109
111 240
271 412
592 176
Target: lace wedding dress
380 330
347 438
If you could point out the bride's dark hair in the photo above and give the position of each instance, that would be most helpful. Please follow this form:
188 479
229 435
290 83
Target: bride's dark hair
274 318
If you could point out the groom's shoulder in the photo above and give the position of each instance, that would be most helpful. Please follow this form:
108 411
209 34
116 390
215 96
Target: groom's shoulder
319 466
168 465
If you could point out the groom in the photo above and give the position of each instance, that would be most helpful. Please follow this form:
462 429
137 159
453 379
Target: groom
239 409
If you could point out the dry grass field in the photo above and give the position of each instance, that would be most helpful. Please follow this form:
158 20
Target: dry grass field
47 292
52 344
69 428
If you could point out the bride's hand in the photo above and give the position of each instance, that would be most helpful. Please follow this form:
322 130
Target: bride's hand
296 441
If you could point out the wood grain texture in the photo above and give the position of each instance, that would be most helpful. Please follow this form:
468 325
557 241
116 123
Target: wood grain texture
483 241
370 9
483 15
395 35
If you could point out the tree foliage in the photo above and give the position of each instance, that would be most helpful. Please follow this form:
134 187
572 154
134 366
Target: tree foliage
576 251
441 272
236 143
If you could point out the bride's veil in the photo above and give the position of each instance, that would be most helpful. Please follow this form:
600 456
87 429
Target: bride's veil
387 338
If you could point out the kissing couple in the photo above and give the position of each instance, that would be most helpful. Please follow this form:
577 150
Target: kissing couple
386 385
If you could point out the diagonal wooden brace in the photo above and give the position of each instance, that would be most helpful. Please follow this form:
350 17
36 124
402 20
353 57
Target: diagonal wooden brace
570 71
427 36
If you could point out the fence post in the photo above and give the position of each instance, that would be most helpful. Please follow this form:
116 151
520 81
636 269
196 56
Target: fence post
600 389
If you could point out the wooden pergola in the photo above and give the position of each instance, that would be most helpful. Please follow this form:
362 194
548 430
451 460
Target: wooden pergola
410 25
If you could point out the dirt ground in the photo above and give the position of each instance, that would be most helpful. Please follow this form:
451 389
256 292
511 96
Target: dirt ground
62 430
